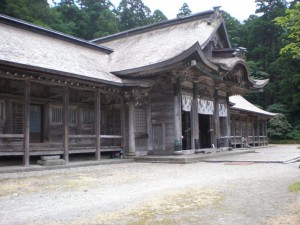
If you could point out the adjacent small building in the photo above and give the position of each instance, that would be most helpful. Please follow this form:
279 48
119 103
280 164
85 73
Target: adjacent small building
160 89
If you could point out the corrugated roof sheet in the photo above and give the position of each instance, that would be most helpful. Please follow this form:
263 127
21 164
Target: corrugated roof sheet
242 104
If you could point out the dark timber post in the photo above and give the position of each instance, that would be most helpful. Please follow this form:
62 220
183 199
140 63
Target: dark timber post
66 122
98 123
131 150
177 118
258 132
26 123
228 128
195 119
216 119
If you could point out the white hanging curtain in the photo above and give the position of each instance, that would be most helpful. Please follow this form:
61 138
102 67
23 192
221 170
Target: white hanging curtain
222 110
205 107
187 103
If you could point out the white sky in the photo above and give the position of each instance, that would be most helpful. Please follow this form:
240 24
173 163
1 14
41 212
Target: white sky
240 9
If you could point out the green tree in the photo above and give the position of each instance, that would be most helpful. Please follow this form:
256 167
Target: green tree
279 127
158 16
133 13
291 23
234 28
184 11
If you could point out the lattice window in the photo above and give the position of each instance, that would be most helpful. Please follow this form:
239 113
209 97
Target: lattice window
2 110
140 120
88 116
57 115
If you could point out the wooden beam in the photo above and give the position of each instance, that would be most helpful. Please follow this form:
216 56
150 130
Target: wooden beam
26 125
228 124
97 122
66 122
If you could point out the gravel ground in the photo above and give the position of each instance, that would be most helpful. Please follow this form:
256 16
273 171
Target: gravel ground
141 193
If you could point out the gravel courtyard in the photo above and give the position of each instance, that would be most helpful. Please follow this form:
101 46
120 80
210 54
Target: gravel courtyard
144 193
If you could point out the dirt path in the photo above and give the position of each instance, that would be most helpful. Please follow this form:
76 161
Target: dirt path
137 193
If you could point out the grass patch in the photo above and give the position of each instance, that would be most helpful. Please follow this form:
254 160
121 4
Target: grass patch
295 187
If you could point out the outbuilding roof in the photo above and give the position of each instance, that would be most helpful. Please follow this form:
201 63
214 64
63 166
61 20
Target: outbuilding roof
239 103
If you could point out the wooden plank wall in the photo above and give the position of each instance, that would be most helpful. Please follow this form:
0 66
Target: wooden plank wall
162 112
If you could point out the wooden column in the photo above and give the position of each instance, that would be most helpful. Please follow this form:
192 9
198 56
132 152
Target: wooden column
149 127
258 131
26 125
254 134
266 126
66 122
98 123
234 129
228 127
123 127
177 119
195 120
216 119
131 150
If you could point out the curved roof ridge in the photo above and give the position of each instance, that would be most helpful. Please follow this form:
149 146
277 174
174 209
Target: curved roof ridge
228 64
154 26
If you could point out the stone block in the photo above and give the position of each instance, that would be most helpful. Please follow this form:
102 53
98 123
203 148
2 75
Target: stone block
50 157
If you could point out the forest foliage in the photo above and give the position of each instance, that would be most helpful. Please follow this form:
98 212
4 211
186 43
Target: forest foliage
271 37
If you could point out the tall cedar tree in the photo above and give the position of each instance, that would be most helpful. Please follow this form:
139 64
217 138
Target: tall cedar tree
133 13
184 11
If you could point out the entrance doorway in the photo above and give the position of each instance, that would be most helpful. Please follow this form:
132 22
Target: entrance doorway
204 131
36 116
186 130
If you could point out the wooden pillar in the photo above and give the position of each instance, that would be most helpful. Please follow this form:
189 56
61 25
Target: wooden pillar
46 123
131 150
177 119
66 122
123 128
264 133
26 125
98 123
216 119
149 127
228 128
195 119
266 126
258 131
253 131
234 129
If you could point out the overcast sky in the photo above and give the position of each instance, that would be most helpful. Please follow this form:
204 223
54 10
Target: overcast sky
240 9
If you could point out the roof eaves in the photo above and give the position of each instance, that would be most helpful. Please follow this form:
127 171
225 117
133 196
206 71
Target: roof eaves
52 33
154 26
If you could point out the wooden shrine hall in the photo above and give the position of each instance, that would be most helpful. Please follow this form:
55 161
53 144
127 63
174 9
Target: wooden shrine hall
160 89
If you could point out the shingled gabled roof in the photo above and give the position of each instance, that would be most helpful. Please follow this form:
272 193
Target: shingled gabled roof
158 46
30 46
